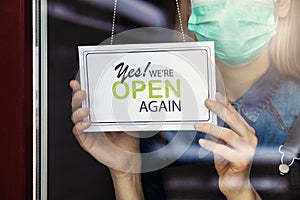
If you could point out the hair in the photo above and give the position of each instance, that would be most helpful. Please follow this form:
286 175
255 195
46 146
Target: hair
284 47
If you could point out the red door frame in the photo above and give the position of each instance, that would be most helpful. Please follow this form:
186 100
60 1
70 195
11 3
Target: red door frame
16 99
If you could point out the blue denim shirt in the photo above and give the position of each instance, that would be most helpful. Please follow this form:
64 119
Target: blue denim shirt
270 106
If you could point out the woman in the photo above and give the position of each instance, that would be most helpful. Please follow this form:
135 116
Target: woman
256 108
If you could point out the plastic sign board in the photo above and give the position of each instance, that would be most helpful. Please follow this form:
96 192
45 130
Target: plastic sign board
148 87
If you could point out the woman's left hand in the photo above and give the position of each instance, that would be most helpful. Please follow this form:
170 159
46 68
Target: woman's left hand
233 149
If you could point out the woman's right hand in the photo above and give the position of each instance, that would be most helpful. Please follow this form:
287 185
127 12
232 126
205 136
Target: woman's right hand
117 150
100 145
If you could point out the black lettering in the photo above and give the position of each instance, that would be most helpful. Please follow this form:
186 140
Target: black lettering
143 106
155 107
163 106
177 106
121 71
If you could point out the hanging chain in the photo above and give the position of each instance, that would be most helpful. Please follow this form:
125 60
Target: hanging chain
114 21
180 20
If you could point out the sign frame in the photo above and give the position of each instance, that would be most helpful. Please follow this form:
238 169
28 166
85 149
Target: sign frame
134 124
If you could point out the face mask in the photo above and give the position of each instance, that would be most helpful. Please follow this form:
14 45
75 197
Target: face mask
241 29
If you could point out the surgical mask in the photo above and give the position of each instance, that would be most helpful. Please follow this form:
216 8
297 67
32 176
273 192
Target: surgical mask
241 29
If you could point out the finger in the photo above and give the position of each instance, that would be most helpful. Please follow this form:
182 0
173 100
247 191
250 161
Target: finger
77 99
223 100
78 133
232 118
81 126
80 114
75 85
219 149
225 134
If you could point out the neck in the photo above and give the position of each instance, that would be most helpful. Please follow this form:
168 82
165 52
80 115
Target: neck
238 80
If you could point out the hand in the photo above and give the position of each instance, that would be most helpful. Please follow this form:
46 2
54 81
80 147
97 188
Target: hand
233 149
102 146
117 150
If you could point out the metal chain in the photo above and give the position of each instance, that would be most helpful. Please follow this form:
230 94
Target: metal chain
180 20
114 21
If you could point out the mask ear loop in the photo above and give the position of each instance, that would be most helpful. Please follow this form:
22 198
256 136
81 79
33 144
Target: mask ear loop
114 21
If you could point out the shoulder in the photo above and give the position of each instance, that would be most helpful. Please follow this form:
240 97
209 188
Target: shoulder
288 93
286 100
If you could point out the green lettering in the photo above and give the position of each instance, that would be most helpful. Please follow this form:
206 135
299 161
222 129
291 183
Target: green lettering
114 90
135 89
153 88
169 86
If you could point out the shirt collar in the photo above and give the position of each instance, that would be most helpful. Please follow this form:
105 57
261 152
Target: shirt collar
260 94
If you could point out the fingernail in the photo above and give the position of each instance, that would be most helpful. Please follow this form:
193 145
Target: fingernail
82 112
202 142
198 125
208 102
85 124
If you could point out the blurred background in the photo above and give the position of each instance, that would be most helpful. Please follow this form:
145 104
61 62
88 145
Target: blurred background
74 174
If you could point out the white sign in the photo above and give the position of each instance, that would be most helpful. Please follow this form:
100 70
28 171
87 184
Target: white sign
145 87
